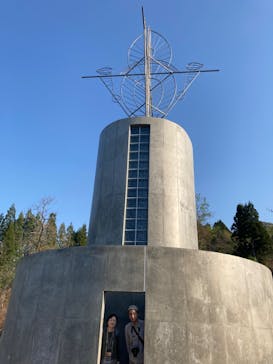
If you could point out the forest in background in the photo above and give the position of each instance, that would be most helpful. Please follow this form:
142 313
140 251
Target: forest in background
36 230
28 233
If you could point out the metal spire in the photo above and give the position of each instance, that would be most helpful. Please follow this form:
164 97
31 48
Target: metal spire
147 49
148 86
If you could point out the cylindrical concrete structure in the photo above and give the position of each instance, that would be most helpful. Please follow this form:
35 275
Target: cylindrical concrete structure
171 197
201 307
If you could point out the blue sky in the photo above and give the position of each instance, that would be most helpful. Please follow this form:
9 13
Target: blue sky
51 118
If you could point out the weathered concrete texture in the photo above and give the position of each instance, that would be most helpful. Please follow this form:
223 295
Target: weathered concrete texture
201 307
172 215
206 307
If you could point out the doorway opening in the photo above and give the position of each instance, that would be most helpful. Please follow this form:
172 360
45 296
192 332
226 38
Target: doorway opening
117 303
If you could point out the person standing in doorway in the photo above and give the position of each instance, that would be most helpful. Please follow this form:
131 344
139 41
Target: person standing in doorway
134 336
110 342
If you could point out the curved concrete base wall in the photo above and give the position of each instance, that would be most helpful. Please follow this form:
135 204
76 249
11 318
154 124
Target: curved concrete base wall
201 307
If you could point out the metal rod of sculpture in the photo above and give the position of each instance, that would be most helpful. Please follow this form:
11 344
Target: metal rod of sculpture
147 58
149 74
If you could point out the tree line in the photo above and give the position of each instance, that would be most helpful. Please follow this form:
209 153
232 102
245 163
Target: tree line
36 230
30 233
248 237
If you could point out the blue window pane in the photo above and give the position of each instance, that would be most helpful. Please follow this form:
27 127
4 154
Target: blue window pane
142 192
137 191
130 224
131 202
141 225
143 173
132 182
135 138
142 213
144 156
141 235
133 147
134 155
131 213
133 173
143 183
129 235
143 202
145 129
133 165
143 147
132 192
134 129
143 165
144 138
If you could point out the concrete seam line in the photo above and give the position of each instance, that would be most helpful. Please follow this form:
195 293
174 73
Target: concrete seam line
144 269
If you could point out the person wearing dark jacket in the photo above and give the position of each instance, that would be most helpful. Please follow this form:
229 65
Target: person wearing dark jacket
110 342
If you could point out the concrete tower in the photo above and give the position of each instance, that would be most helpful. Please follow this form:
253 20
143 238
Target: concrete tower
144 187
199 307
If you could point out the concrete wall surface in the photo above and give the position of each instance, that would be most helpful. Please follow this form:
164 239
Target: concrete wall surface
171 211
200 307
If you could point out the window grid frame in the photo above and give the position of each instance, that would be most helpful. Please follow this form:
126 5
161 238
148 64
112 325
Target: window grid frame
142 152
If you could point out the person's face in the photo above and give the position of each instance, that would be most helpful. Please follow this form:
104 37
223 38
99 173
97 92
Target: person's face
133 315
112 322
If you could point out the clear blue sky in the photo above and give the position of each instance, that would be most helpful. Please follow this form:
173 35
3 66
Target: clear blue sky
51 118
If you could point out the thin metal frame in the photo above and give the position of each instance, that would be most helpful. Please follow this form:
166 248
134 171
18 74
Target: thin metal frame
135 96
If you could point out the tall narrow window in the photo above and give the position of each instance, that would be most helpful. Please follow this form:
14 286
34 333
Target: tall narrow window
136 223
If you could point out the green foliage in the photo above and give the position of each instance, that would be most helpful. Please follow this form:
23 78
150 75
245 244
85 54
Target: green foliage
204 236
249 234
216 238
31 233
9 243
70 235
19 229
249 238
81 236
2 227
221 238
51 230
61 236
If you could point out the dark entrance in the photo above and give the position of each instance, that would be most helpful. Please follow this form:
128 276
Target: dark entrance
118 303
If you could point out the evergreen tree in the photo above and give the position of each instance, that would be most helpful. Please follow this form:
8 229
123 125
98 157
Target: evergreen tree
70 235
19 232
9 244
249 234
81 236
61 236
29 233
51 230
9 217
2 226
8 233
11 214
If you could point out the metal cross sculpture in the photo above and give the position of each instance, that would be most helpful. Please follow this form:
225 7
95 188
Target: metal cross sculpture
148 86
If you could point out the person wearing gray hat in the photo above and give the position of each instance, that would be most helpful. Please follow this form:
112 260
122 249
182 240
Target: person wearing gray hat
134 336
